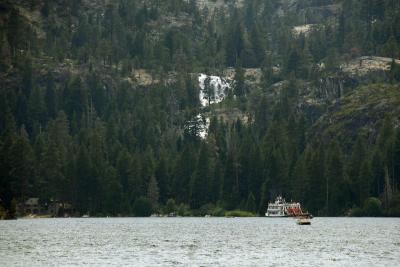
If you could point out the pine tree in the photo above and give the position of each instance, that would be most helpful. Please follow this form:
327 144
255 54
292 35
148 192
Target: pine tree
364 181
199 185
153 192
239 87
341 30
235 42
257 45
293 62
183 170
267 71
396 160
315 169
21 172
378 173
86 185
7 143
14 31
229 188
163 177
355 166
36 109
53 185
5 53
251 203
50 98
264 198
209 92
300 180
45 10
109 200
379 9
27 79
385 143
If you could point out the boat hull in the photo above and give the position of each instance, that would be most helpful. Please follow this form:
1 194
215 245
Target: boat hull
304 223
275 216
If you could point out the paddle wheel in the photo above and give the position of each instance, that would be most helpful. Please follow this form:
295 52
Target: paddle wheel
293 209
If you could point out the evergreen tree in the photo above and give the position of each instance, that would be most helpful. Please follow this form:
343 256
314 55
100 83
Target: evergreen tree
14 31
183 170
199 185
163 178
153 192
315 164
45 10
251 203
364 181
235 42
21 159
9 137
239 87
50 99
396 160
354 168
378 173
86 185
209 92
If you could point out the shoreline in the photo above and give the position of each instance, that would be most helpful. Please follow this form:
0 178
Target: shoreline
161 217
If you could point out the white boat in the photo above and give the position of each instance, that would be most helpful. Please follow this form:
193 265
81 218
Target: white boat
304 220
281 208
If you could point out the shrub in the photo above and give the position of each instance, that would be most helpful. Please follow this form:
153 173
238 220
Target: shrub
183 210
394 207
2 212
206 209
218 212
170 207
239 213
372 207
142 207
356 212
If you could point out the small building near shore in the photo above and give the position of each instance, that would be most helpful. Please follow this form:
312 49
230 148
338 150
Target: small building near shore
53 208
32 206
60 209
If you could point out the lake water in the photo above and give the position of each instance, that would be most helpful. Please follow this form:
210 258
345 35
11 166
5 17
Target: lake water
200 242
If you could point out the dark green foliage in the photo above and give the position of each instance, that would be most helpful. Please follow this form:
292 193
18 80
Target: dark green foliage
372 207
170 206
394 208
336 189
45 10
240 89
356 170
142 207
394 72
75 125
153 192
239 213
199 185
251 203
14 26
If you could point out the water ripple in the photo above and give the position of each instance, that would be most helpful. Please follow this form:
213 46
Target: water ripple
200 242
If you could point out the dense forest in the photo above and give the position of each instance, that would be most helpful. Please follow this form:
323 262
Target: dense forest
100 108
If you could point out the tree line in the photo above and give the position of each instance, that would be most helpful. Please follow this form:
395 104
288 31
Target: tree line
89 137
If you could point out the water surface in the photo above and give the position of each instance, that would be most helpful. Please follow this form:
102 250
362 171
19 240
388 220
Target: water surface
200 242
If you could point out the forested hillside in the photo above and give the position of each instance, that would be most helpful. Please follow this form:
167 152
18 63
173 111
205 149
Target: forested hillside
124 107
